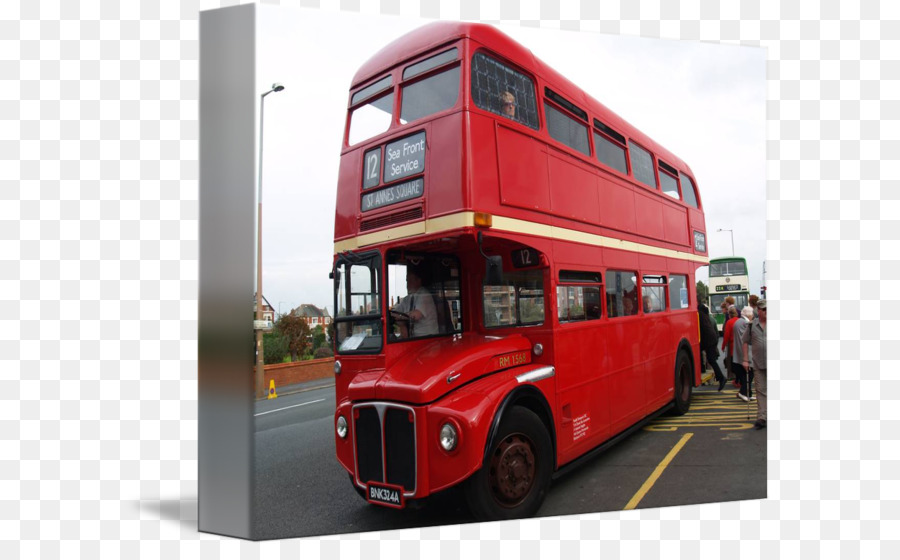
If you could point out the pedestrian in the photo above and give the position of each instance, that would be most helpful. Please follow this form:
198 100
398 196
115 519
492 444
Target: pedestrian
731 316
742 373
708 339
753 300
726 303
755 338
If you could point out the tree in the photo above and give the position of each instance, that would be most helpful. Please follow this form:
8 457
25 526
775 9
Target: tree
702 292
323 352
275 347
295 329
330 330
318 337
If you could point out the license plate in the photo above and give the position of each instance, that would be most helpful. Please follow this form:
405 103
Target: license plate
385 495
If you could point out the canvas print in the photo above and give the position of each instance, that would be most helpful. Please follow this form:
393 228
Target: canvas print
497 274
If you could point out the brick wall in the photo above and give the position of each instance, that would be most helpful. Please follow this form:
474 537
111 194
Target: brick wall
297 372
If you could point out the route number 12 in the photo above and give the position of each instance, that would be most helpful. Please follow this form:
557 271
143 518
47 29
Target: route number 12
372 166
522 258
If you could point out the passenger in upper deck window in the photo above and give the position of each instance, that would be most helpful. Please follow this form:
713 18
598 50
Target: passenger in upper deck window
508 105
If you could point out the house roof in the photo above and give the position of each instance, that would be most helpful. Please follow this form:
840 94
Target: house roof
310 310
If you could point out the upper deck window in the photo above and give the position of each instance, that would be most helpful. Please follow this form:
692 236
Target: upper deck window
371 119
437 60
668 179
610 146
371 90
687 188
426 97
501 90
642 164
567 130
728 268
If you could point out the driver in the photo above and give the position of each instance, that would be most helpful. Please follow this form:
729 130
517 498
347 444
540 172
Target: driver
418 305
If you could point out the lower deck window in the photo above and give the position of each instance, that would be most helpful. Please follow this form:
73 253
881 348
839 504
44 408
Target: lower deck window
653 299
678 291
424 296
518 300
578 303
621 293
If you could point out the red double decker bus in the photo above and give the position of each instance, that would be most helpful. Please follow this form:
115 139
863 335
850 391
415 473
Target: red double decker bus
513 274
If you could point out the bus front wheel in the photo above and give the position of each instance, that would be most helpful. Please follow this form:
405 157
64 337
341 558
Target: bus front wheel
514 478
684 384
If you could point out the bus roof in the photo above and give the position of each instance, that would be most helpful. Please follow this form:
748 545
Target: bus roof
727 259
439 33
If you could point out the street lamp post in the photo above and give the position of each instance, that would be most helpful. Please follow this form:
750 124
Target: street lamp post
260 367
730 232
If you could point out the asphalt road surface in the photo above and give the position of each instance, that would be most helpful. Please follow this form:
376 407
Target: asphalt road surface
713 453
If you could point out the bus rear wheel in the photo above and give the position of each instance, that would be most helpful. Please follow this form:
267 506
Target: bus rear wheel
513 481
684 384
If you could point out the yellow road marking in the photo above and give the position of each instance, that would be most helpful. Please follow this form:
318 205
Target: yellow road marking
648 484
673 428
710 410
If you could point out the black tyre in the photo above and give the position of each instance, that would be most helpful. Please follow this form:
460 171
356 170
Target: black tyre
684 384
515 476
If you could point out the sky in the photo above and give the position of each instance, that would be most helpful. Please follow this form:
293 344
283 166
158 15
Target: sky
704 102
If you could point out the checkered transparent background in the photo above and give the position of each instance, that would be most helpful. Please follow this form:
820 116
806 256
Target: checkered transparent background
98 287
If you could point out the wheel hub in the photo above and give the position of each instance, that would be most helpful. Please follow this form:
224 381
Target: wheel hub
513 470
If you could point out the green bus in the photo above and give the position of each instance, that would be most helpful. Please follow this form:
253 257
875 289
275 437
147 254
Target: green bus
728 276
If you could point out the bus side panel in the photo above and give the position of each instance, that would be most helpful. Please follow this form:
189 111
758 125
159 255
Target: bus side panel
482 164
445 160
522 169
573 189
648 215
347 207
659 344
617 200
583 384
675 223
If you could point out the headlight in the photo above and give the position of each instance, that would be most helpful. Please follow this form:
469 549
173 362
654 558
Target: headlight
342 427
449 437
337 366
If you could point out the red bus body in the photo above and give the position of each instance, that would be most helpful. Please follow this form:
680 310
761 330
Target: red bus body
560 209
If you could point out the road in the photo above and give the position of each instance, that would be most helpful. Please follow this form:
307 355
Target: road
303 491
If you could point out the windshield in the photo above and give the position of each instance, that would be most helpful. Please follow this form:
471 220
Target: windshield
428 96
728 268
424 296
740 301
371 119
357 308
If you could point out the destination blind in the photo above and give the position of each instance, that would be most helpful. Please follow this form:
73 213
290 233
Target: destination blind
405 157
393 195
